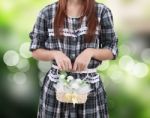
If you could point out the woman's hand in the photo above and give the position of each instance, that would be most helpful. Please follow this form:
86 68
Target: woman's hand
63 62
82 61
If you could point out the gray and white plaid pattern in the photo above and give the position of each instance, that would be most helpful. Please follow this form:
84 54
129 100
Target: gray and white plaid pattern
72 45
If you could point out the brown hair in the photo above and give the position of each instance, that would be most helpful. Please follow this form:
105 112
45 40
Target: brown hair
88 10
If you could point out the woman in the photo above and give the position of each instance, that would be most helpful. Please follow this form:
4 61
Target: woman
76 35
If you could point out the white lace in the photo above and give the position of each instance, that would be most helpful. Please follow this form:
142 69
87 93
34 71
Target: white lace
73 33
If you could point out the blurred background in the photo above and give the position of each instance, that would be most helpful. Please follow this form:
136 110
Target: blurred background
126 80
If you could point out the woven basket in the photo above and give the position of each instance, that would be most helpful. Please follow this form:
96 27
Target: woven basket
71 98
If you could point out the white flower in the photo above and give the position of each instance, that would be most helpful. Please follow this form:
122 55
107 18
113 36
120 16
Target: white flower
85 89
79 80
75 85
70 78
62 76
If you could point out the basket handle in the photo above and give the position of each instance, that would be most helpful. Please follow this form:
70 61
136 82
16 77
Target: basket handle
87 75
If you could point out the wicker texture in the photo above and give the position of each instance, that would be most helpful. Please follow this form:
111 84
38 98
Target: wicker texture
71 97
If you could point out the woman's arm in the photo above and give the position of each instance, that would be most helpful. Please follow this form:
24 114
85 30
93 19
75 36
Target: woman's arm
63 62
108 43
100 54
84 58
44 55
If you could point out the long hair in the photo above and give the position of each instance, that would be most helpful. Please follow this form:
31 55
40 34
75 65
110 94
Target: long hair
89 10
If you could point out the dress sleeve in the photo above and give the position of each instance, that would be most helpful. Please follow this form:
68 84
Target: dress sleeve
108 37
39 34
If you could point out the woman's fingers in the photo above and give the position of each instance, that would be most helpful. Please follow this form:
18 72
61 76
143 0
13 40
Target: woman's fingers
59 66
79 65
74 66
82 67
63 62
81 62
69 64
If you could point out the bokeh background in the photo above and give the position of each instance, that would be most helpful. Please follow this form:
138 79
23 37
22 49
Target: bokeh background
126 80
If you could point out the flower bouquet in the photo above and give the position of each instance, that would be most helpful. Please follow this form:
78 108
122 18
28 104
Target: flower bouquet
71 90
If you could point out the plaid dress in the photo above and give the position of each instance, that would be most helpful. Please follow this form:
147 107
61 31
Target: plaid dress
72 45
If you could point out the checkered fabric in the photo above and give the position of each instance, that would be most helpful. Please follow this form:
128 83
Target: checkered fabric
72 45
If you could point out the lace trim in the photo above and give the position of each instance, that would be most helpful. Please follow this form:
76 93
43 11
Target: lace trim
73 33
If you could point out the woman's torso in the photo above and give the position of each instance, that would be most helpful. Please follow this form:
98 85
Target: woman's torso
73 41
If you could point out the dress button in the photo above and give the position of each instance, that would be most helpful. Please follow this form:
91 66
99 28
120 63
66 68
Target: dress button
73 56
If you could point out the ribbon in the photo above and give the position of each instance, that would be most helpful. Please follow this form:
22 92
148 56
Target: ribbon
73 97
